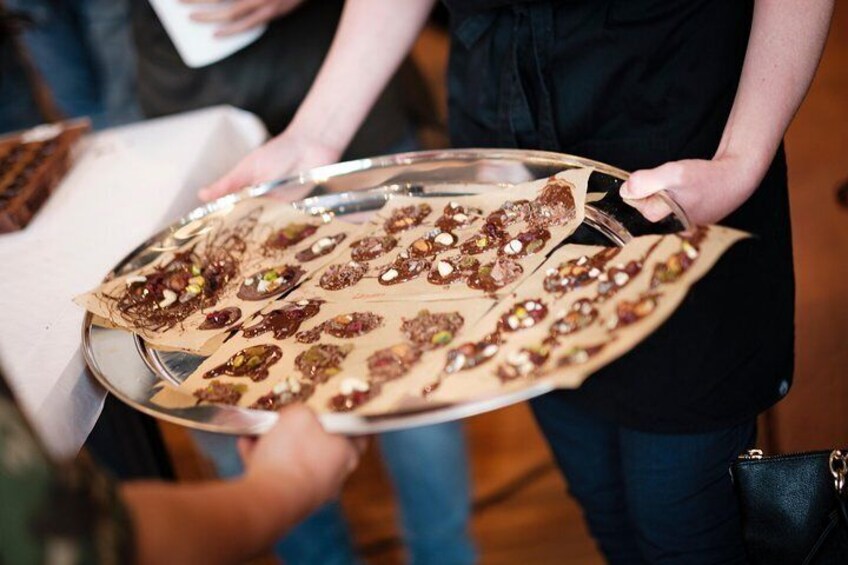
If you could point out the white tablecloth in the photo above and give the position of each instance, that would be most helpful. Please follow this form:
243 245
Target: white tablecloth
126 183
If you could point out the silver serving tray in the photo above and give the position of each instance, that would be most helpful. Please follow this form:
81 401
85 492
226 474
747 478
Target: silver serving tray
130 370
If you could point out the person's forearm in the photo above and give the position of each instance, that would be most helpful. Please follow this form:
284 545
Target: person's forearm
785 45
215 522
373 38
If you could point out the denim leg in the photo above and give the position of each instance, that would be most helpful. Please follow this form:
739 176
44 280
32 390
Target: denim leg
587 452
680 495
59 52
321 539
429 470
106 24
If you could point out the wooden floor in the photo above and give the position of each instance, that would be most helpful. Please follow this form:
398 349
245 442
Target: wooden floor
538 523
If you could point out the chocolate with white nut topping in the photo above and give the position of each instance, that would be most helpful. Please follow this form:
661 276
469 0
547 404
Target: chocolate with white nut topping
579 354
629 312
337 277
320 248
252 362
554 206
449 270
456 216
288 390
432 243
525 243
580 316
578 272
403 269
524 362
270 282
490 236
343 326
523 315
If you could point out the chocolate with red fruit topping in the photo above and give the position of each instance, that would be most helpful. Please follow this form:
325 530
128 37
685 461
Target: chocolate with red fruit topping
217 392
578 272
392 362
220 319
343 326
470 355
337 277
407 217
288 390
252 362
284 322
371 247
290 235
494 276
270 282
449 270
320 248
322 361
431 330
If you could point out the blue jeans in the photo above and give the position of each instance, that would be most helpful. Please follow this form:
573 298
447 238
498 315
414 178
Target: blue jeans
83 51
649 498
429 471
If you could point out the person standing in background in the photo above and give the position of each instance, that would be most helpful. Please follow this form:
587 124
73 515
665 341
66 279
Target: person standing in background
82 51
270 77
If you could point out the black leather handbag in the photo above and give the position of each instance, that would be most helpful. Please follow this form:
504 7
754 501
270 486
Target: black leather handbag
794 507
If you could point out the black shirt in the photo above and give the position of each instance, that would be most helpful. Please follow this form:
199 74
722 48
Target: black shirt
636 83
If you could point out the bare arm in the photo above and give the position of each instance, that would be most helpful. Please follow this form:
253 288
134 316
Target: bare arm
291 470
372 39
784 49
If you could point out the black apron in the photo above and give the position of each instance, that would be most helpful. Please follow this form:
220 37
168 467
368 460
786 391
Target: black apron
636 83
269 77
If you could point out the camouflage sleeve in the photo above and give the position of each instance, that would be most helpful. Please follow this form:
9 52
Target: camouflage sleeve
69 513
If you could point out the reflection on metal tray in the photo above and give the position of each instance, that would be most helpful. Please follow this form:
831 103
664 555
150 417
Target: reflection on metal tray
130 370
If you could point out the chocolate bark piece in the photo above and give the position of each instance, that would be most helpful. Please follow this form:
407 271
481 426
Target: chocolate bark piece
490 236
628 312
270 282
345 275
252 362
347 326
523 315
392 362
449 270
554 206
578 272
472 354
616 278
217 392
432 243
287 391
676 265
496 275
580 316
371 247
322 361
220 319
320 248
403 269
456 216
284 322
407 217
353 393
526 243
578 355
509 213
523 363
429 330
290 235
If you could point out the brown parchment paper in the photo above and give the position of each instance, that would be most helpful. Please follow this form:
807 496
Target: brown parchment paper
419 289
354 364
268 215
483 381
